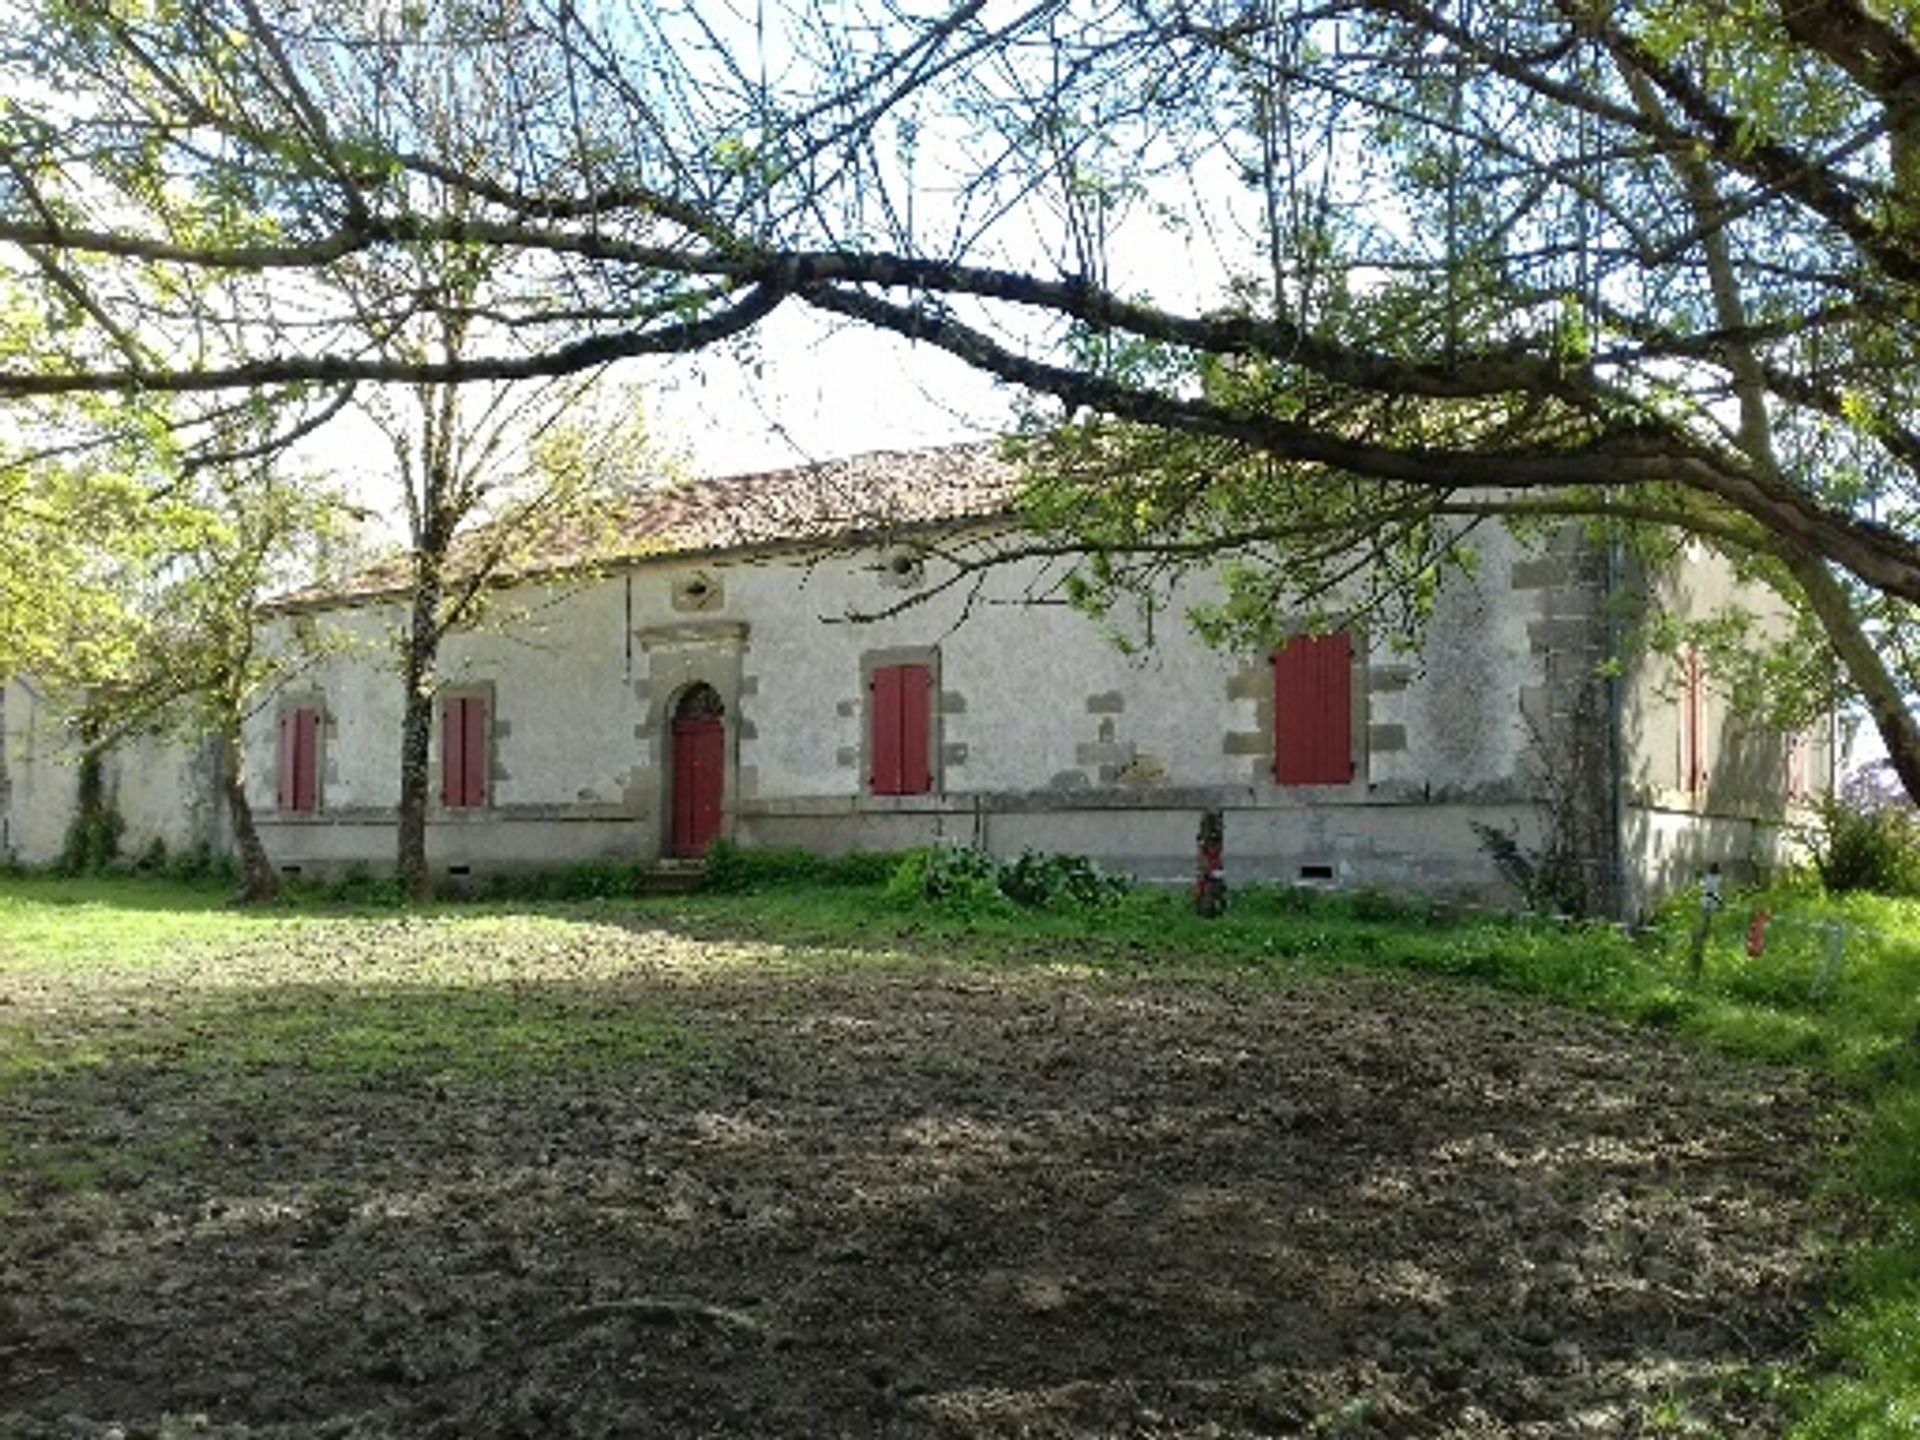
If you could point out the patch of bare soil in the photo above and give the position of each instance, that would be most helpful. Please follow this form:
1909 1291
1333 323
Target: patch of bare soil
907 1201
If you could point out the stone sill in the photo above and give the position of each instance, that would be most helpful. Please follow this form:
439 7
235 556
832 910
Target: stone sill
1693 807
479 815
1184 797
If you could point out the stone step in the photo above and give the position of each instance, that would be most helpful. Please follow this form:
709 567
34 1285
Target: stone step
674 877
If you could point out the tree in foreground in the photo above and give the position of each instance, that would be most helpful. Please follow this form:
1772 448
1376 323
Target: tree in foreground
84 518
136 561
204 665
489 477
1657 265
477 465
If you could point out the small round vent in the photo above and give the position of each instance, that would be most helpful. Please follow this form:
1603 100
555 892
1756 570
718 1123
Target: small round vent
902 569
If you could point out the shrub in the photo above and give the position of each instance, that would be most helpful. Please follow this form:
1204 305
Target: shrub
153 857
1279 900
92 842
511 886
1548 879
1378 907
859 867
190 865
953 876
1039 880
1865 841
203 863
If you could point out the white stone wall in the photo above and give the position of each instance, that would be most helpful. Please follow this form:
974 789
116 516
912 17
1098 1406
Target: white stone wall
1048 734
1738 819
1015 685
554 658
163 788
1035 684
359 692
42 776
1464 731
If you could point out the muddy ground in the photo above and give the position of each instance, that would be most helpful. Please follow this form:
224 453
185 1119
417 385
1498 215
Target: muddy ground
720 1190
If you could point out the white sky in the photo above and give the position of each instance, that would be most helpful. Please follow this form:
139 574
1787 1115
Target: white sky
819 390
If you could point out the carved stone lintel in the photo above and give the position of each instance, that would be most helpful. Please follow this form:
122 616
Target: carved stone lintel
726 633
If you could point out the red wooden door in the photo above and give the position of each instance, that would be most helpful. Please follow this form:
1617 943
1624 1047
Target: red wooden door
699 751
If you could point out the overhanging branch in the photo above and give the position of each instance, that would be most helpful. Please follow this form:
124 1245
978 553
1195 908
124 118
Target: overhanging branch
586 354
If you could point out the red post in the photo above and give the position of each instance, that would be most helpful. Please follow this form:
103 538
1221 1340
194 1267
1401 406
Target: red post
1210 878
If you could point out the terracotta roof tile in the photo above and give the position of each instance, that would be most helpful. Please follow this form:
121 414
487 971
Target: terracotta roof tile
860 498
832 500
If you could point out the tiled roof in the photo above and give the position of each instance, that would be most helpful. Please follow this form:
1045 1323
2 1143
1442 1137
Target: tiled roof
862 497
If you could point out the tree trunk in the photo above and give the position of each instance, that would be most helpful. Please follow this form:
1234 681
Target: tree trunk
1832 606
435 514
416 733
1866 667
259 880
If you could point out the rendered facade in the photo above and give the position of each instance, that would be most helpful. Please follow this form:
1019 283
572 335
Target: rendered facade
709 683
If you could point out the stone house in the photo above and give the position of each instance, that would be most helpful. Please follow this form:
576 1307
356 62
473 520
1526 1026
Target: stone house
709 681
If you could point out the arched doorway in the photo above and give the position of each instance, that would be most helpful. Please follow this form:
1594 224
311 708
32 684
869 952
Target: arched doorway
699 769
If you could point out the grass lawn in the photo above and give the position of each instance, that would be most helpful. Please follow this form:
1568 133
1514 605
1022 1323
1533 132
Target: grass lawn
805 1160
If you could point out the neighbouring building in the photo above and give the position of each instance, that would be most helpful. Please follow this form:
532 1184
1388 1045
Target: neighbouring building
712 680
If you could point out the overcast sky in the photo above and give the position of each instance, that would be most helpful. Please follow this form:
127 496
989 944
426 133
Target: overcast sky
816 391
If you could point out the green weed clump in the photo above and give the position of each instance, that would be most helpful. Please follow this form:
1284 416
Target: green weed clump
361 887
1042 881
92 843
953 877
958 877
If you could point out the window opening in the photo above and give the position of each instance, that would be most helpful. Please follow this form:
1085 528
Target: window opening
1313 710
900 743
464 760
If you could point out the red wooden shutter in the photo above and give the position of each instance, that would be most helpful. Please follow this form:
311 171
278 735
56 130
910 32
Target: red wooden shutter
463 753
900 730
1696 759
1313 710
916 729
884 730
306 759
452 750
284 790
473 786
